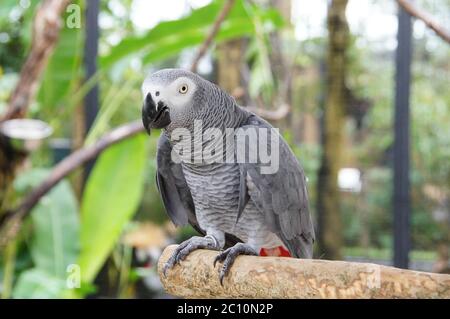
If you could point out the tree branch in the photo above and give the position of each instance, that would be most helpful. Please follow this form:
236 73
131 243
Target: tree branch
46 27
273 115
426 18
10 222
215 28
278 277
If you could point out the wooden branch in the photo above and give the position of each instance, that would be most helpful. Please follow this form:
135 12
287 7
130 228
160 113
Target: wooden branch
277 277
46 27
11 221
215 28
427 18
273 115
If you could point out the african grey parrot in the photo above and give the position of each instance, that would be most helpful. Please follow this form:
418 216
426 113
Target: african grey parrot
235 204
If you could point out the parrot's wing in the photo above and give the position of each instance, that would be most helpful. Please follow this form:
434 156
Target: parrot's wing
175 192
172 186
280 195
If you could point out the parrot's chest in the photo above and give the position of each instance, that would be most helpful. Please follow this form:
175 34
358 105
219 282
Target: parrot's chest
214 188
215 191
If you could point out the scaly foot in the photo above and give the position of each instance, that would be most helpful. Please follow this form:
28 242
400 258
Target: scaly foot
229 255
186 247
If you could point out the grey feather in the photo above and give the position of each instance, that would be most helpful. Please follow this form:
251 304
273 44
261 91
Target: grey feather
282 196
172 186
175 192
243 193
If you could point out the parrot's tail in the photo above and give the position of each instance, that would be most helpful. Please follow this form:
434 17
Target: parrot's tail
279 251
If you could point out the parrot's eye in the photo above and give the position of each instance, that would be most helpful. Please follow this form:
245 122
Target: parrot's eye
183 89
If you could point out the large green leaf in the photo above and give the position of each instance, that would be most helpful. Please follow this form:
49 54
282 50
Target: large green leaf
198 18
170 37
54 242
112 195
38 284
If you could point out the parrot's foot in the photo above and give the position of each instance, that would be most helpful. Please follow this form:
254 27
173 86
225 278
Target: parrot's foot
186 247
229 255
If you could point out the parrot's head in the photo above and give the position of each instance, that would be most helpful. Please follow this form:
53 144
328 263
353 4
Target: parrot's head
173 98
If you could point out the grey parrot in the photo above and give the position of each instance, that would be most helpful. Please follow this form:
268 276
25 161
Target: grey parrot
236 206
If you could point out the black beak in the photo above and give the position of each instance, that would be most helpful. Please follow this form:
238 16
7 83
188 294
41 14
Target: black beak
154 116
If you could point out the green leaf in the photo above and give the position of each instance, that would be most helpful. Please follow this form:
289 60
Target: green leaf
27 22
6 7
30 179
63 69
55 240
112 195
168 38
199 18
38 284
172 45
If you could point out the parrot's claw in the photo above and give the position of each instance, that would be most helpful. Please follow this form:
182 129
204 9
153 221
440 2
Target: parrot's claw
229 255
186 247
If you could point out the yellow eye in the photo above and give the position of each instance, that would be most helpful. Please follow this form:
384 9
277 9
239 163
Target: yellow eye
183 89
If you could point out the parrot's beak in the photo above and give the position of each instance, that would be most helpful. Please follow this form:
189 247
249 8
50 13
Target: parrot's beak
154 115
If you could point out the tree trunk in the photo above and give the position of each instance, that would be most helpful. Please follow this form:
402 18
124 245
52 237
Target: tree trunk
10 160
328 205
230 58
281 66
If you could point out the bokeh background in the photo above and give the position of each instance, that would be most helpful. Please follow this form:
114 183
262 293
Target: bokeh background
315 69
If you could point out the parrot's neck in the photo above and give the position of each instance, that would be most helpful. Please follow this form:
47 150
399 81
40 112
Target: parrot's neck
220 111
213 131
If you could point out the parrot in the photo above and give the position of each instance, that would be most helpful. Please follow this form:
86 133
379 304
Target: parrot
236 206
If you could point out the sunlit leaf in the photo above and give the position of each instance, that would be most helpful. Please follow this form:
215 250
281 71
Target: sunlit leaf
38 284
112 195
199 18
54 242
170 37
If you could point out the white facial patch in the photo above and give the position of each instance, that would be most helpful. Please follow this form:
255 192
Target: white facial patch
176 95
180 92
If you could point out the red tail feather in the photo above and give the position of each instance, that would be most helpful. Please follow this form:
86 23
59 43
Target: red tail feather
279 251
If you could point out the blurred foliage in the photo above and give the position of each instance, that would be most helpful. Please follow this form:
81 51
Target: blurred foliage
169 38
53 241
63 72
15 26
